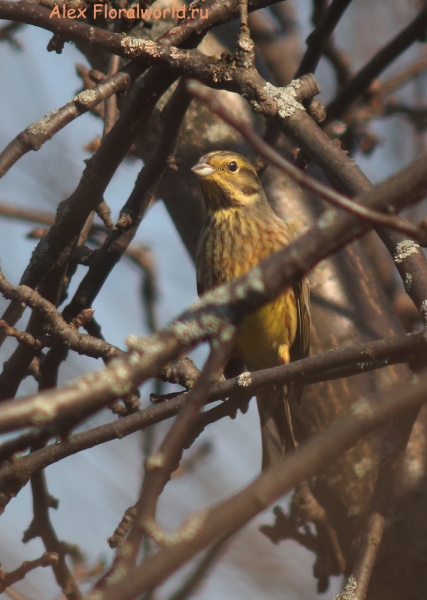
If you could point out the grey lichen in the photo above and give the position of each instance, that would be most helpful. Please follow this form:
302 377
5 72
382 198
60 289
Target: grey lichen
227 333
41 127
285 98
362 409
327 219
186 332
45 411
408 282
244 379
255 283
155 461
405 249
349 591
363 466
185 533
133 47
85 98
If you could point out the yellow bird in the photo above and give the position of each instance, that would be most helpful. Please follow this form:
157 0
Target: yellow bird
241 230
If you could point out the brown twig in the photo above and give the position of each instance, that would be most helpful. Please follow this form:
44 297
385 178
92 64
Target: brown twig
182 372
41 526
111 109
319 37
360 83
195 579
278 44
131 215
55 325
160 465
165 460
394 446
6 34
39 132
48 559
387 87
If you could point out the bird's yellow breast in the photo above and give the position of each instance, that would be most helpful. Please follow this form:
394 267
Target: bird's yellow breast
229 247
266 336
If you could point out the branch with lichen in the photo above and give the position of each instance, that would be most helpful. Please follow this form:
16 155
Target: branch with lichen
35 135
223 306
342 362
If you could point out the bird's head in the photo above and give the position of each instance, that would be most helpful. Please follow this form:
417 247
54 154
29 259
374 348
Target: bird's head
228 180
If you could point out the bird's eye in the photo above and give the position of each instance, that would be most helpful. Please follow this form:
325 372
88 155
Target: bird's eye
232 166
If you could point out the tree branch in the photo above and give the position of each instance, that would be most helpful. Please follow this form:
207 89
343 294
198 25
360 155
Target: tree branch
230 515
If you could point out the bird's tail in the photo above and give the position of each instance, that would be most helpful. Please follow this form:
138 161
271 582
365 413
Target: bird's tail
277 433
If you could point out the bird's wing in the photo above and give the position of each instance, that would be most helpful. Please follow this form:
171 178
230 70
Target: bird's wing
301 346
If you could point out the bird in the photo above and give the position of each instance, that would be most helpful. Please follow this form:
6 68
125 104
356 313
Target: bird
241 230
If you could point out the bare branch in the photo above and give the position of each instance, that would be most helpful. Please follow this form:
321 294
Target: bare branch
41 526
39 132
232 514
7 579
363 79
359 358
318 39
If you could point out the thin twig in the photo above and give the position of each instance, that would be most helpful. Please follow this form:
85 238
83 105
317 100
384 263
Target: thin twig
39 132
195 579
318 38
132 213
48 559
382 59
111 109
54 325
41 526
160 465
224 305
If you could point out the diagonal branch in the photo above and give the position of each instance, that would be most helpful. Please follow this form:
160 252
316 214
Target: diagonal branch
384 57
318 39
232 514
361 357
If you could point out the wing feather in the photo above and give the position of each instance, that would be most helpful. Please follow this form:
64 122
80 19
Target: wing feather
301 346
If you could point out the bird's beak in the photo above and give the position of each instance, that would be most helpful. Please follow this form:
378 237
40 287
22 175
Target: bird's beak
202 169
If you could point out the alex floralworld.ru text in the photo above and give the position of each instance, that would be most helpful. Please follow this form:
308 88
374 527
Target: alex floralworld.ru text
102 10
